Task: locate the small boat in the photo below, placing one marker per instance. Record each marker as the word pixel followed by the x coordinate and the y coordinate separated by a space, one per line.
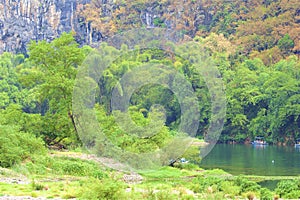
pixel 259 140
pixel 297 144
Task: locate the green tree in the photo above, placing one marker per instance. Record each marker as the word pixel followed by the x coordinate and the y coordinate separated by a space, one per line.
pixel 10 88
pixel 16 146
pixel 53 71
pixel 286 43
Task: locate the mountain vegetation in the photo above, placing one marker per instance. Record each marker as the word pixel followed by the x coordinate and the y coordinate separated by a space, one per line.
pixel 37 93
pixel 254 44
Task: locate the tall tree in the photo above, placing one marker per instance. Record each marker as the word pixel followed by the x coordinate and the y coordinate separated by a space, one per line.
pixel 54 70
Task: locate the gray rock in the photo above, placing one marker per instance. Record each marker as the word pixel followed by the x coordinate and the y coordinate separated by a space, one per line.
pixel 25 20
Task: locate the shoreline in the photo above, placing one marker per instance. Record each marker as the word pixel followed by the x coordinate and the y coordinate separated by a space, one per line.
pixel 249 143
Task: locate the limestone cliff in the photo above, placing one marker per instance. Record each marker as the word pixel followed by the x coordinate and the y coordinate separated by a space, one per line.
pixel 25 20
pixel 91 20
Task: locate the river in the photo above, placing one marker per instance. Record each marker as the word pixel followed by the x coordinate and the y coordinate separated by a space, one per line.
pixel 254 160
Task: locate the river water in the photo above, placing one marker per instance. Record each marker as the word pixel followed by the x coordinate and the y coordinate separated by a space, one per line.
pixel 254 160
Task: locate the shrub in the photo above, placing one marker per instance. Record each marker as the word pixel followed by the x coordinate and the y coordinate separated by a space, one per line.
pixel 209 182
pixel 246 185
pixel 65 166
pixel 229 188
pixel 286 43
pixel 215 172
pixel 37 186
pixel 288 189
pixel 16 146
pixel 295 194
pixel 104 189
pixel 187 166
pixel 266 194
pixel 158 22
pixel 163 195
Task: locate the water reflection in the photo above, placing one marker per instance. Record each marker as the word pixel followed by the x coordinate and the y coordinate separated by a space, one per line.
pixel 260 146
pixel 297 149
pixel 254 159
pixel 270 184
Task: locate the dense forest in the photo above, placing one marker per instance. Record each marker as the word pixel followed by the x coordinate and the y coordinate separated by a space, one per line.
pixel 254 44
pixel 37 91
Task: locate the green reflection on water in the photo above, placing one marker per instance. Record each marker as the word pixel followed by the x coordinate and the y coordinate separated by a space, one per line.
pixel 254 160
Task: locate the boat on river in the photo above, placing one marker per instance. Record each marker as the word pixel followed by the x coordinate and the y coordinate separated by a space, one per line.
pixel 259 140
pixel 297 144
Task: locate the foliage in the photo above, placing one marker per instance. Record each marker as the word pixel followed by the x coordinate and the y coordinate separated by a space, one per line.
pixel 44 165
pixel 286 43
pixel 130 139
pixel 9 85
pixel 262 88
pixel 208 184
pixel 266 194
pixel 288 189
pixel 262 100
pixel 104 189
pixel 254 26
pixel 246 185
pixel 17 146
pixel 50 78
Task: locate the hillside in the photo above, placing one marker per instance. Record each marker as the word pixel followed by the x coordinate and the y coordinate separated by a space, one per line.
pixel 254 44
pixel 265 29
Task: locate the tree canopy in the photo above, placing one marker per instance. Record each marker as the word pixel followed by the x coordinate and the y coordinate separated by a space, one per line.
pixel 37 93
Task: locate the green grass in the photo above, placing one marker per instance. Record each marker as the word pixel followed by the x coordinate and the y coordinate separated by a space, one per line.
pixel 165 172
pixel 66 177
pixel 52 177
pixel 64 189
pixel 47 165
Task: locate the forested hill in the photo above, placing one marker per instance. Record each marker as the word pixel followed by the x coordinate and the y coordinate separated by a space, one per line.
pixel 260 28
pixel 255 45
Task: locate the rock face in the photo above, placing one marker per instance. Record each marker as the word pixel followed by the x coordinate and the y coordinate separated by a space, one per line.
pixel 25 20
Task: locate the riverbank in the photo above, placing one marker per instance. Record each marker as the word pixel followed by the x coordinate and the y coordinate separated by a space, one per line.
pixel 69 175
pixel 288 142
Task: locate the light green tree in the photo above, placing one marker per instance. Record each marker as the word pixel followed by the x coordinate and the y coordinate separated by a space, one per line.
pixel 52 75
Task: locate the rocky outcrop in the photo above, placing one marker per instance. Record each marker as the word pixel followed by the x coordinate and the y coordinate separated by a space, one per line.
pixel 25 20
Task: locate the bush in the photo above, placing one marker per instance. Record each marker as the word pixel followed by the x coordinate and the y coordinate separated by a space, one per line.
pixel 164 194
pixel 65 166
pixel 246 185
pixel 286 43
pixel 203 183
pixel 266 194
pixel 37 186
pixel 229 188
pixel 16 146
pixel 295 194
pixel 288 189
pixel 159 22
pixel 187 166
pixel 104 189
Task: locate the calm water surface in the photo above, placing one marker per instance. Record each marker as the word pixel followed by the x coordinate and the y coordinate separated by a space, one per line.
pixel 254 160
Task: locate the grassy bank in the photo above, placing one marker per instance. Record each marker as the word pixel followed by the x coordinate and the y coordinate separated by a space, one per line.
pixel 76 175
